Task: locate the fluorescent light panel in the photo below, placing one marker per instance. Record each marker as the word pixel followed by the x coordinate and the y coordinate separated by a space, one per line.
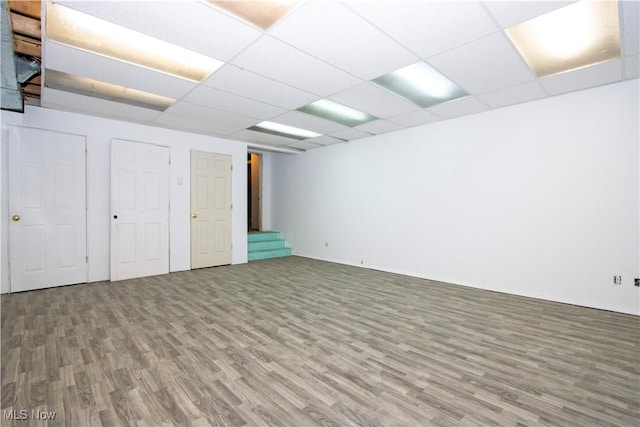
pixel 575 36
pixel 262 14
pixel 110 92
pixel 421 84
pixel 283 130
pixel 82 31
pixel 337 112
pixel 262 147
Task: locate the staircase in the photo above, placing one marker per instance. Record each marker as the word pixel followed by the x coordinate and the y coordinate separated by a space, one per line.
pixel 266 244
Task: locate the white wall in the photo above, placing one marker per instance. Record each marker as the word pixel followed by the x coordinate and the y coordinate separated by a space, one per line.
pixel 99 133
pixel 538 199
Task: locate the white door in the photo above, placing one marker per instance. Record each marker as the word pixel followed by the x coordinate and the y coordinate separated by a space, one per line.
pixel 210 209
pixel 47 205
pixel 139 210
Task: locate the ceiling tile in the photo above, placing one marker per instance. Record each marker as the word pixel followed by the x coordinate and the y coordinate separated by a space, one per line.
pixel 309 122
pixel 325 49
pixel 167 20
pixel 607 72
pixel 351 134
pixel 337 35
pixel 262 138
pixel 416 118
pixel 374 100
pixel 379 126
pixel 484 65
pixel 193 125
pixel 305 145
pixel 514 95
pixel 267 57
pixel 53 98
pixel 241 82
pixel 459 107
pixel 631 67
pixel 630 27
pixel 444 24
pixel 224 101
pixel 326 140
pixel 79 62
pixel 509 13
pixel 198 112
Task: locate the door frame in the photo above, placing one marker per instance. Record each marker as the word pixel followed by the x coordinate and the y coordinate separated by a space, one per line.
pixel 12 129
pixel 259 189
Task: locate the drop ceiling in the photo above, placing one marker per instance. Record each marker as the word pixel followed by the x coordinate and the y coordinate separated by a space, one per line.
pixel 324 49
pixel 26 33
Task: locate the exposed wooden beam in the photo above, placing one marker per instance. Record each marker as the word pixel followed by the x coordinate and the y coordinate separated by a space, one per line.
pixel 27 45
pixel 25 25
pixel 26 7
pixel 31 89
pixel 36 80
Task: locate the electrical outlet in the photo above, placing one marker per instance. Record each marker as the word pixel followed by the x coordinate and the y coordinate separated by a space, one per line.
pixel 617 280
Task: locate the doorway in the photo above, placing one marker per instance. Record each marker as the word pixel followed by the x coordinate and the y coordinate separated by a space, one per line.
pixel 254 192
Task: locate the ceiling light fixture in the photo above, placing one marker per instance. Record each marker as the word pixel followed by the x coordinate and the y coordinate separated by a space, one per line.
pixel 421 84
pixel 337 112
pixel 283 130
pixel 575 36
pixel 262 147
pixel 83 86
pixel 262 14
pixel 83 31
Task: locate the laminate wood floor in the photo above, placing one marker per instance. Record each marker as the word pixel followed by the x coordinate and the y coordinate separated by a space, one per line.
pixel 300 342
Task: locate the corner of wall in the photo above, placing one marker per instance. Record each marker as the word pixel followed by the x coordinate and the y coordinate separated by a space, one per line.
pixel 4 210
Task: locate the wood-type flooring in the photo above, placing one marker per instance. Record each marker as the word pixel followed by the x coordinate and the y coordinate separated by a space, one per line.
pixel 300 342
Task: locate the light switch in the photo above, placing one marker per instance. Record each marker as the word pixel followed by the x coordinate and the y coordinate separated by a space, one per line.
pixel 179 180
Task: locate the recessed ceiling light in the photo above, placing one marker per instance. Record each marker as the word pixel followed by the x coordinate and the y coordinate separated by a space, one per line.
pixel 262 14
pixel 83 86
pixel 337 112
pixel 283 130
pixel 575 36
pixel 79 30
pixel 421 84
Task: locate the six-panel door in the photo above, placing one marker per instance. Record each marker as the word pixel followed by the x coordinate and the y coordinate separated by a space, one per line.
pixel 47 206
pixel 139 210
pixel 210 209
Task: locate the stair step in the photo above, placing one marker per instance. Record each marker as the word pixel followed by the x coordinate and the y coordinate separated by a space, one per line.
pixel 266 244
pixel 270 253
pixel 259 236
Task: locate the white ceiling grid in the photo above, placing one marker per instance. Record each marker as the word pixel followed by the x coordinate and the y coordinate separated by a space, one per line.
pixel 326 49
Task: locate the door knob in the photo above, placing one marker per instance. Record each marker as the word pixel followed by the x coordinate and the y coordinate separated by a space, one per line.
pixel 194 215
pixel 16 217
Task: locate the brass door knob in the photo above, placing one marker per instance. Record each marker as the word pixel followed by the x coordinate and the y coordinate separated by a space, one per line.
pixel 194 215
pixel 16 217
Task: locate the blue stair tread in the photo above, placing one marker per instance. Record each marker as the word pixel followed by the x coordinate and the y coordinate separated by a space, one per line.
pixel 269 253
pixel 266 244
pixel 271 250
pixel 260 236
